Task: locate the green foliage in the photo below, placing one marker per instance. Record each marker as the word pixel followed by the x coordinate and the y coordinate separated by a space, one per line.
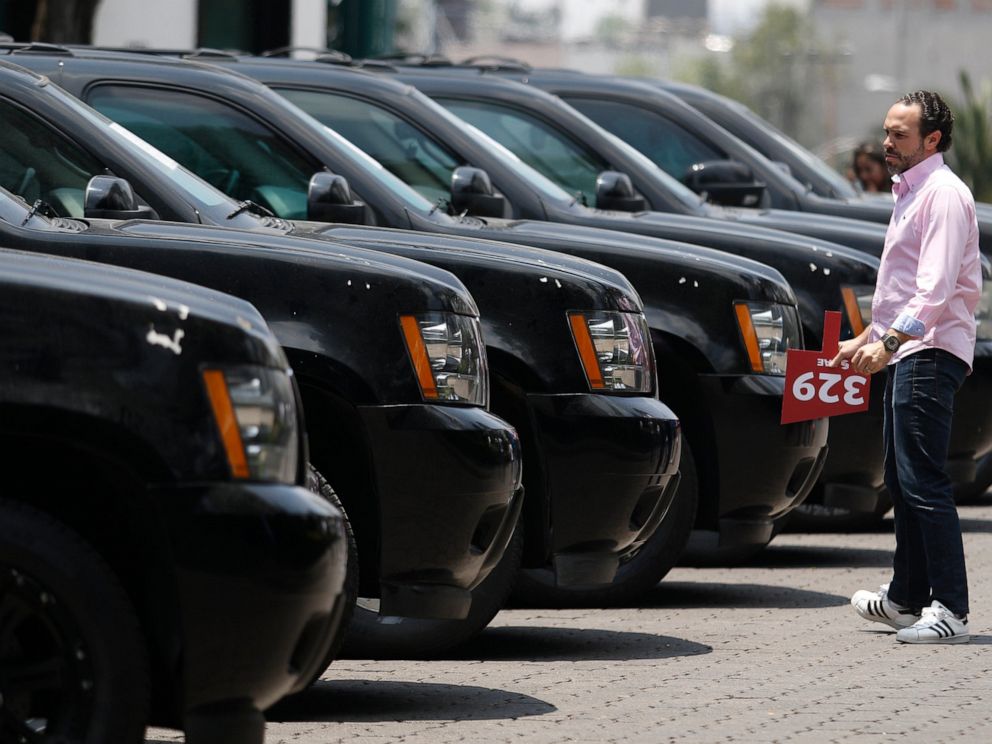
pixel 635 66
pixel 611 30
pixel 971 149
pixel 772 69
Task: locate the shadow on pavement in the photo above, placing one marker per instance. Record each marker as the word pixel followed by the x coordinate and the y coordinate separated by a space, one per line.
pixel 377 700
pixel 511 643
pixel 973 525
pixel 818 556
pixel 702 594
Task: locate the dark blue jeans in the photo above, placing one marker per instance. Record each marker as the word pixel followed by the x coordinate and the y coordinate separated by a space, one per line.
pixel 929 558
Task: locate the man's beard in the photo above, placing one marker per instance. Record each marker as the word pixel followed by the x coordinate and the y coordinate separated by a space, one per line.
pixel 905 161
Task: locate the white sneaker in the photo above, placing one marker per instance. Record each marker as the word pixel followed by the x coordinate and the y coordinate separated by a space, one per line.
pixel 877 607
pixel 937 624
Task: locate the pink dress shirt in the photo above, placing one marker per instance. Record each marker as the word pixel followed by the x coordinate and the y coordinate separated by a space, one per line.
pixel 930 278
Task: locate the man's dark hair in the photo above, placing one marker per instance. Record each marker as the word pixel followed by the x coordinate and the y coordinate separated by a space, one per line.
pixel 935 115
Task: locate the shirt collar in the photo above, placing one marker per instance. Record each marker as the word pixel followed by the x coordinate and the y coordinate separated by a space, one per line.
pixel 907 181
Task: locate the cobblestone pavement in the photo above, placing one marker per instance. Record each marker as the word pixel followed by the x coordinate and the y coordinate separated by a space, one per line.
pixel 770 652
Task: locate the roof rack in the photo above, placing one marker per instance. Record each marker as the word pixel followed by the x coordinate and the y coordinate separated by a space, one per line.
pixel 285 51
pixel 416 58
pixel 209 53
pixel 494 62
pixel 37 47
pixel 375 65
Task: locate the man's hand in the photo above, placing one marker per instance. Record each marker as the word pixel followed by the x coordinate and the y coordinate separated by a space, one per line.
pixel 846 350
pixel 870 358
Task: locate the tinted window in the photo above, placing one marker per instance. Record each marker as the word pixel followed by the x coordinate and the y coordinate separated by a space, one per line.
pixel 402 148
pixel 542 147
pixel 669 146
pixel 37 162
pixel 222 145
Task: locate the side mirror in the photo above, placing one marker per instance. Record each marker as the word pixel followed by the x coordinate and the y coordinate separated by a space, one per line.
pixel 615 191
pixel 472 192
pixel 725 182
pixel 112 198
pixel 329 199
pixel 783 166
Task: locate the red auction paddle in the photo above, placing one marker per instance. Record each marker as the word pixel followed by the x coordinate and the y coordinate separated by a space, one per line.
pixel 813 389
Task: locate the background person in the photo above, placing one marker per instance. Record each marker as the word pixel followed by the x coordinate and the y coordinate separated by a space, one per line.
pixel 870 171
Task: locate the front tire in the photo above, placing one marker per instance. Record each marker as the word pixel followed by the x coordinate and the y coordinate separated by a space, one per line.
pixel 319 485
pixel 640 571
pixel 73 661
pixel 372 636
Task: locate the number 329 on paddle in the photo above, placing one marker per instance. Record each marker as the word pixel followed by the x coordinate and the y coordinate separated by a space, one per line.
pixel 815 390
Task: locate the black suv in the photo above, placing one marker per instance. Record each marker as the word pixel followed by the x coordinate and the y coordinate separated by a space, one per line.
pixel 154 525
pixel 568 147
pixel 423 145
pixel 374 425
pixel 535 305
pixel 709 379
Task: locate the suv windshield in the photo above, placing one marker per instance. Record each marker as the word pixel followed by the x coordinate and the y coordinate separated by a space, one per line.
pixel 416 157
pixel 568 163
pixel 841 186
pixel 206 199
pixel 230 149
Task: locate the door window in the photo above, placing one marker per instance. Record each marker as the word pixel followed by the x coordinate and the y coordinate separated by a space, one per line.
pixel 403 149
pixel 225 147
pixel 537 143
pixel 38 162
pixel 668 145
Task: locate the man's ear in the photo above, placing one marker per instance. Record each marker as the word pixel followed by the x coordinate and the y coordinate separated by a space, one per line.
pixel 933 139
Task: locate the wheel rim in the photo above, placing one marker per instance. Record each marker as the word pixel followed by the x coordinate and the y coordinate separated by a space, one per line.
pixel 46 677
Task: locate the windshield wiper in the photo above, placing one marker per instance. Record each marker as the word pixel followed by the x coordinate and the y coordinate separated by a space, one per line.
pixel 249 206
pixel 441 203
pixel 580 196
pixel 41 207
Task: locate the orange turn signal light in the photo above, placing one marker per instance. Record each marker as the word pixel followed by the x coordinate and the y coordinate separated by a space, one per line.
pixel 750 337
pixel 418 355
pixel 853 311
pixel 227 421
pixel 587 351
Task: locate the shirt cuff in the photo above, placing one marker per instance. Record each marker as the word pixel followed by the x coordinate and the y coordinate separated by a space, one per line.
pixel 909 325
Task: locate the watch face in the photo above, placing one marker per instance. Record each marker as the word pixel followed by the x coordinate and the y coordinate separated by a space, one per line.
pixel 891 343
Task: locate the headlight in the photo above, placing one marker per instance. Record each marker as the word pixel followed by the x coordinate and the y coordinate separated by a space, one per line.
pixel 255 410
pixel 857 306
pixel 615 350
pixel 768 330
pixel 448 357
pixel 983 313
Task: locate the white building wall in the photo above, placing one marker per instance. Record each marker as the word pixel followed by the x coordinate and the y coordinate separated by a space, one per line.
pixel 146 23
pixel 153 23
pixel 896 46
pixel 308 25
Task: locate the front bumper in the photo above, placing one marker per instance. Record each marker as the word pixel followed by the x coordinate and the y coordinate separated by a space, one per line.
pixel 764 469
pixel 259 572
pixel 852 477
pixel 971 429
pixel 605 465
pixel 448 480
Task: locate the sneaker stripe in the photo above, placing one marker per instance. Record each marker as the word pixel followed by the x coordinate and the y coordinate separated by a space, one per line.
pixel 944 629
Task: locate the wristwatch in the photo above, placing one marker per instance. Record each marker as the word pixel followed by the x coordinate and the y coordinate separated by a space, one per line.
pixel 891 343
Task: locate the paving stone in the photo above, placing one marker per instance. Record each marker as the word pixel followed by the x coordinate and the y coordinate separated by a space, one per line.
pixel 769 652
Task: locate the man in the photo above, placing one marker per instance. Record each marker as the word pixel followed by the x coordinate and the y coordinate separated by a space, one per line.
pixel 923 334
